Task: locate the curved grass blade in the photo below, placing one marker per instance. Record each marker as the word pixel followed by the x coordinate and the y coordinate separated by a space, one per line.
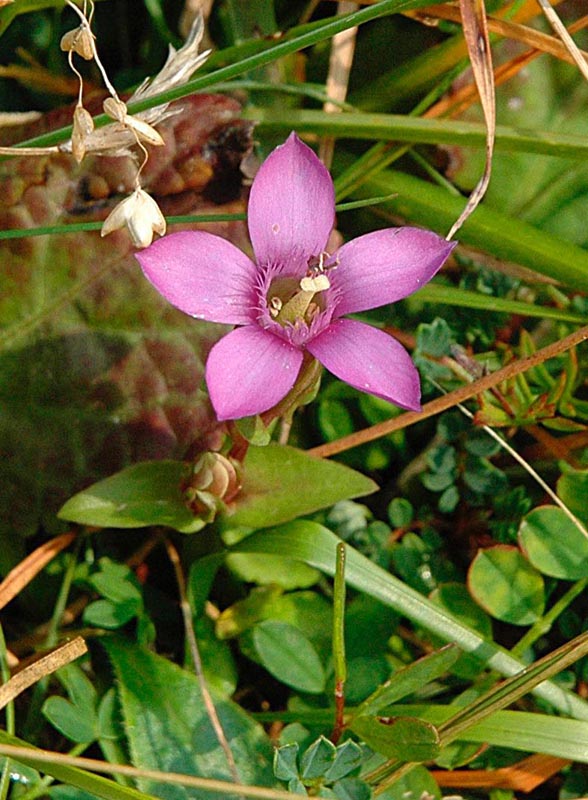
pixel 316 545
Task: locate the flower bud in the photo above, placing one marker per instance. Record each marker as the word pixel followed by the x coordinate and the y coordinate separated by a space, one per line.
pixel 213 483
pixel 140 214
pixel 80 41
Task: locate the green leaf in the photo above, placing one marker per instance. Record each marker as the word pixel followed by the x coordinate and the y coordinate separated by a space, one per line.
pixel 284 571
pixel 295 786
pixel 116 582
pixel 200 579
pixel 96 785
pixel 411 128
pixel 109 615
pixel 287 653
pixel 168 729
pixel 316 545
pixel 503 236
pixel 70 720
pixel 243 614
pixel 79 687
pixel 506 585
pixel 108 727
pixel 400 512
pixel 455 598
pixel 286 761
pixel 434 338
pixel 253 429
pixel 404 738
pixel 281 483
pixel 317 759
pixel 143 494
pixel 334 418
pixel 553 543
pixel 483 477
pixel 572 488
pixel 519 730
pixel 352 789
pixel 410 679
pixel 417 783
pixel 348 757
pixel 218 663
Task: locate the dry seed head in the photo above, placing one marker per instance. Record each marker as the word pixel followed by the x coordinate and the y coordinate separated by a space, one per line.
pixel 83 126
pixel 117 110
pixel 140 214
pixel 80 41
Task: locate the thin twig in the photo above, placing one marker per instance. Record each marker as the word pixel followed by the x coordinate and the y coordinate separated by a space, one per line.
pixel 339 643
pixel 196 659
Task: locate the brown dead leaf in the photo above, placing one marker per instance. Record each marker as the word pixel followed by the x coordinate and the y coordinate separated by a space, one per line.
pixel 40 668
pixel 475 29
pixel 23 573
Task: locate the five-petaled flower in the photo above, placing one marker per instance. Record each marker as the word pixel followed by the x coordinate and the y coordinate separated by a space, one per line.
pixel 293 298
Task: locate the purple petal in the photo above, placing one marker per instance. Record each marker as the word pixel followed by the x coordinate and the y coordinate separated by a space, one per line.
pixel 291 206
pixel 249 371
pixel 385 266
pixel 203 275
pixel 370 360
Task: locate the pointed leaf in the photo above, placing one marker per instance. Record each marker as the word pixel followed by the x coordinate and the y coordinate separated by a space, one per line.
pixel 348 757
pixel 281 483
pixel 143 494
pixel 168 729
pixel 410 679
pixel 404 738
pixel 352 789
pixel 317 759
pixel 316 545
pixel 285 761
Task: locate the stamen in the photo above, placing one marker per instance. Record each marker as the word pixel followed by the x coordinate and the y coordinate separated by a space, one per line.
pixel 317 266
pixel 275 306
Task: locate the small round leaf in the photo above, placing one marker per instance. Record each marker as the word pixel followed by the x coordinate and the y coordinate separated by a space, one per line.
pixel 554 544
pixel 286 652
pixel 504 583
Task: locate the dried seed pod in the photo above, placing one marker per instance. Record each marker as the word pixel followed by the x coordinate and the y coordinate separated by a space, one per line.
pixel 80 41
pixel 140 214
pixel 83 126
pixel 146 133
pixel 115 108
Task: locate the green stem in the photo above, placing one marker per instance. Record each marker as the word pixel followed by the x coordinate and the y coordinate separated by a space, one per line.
pixel 10 721
pixel 543 625
pixel 339 643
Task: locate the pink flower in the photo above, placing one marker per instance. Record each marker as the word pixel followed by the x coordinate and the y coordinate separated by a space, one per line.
pixel 293 298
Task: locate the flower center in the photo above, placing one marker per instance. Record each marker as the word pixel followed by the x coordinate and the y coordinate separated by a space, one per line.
pixel 292 302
